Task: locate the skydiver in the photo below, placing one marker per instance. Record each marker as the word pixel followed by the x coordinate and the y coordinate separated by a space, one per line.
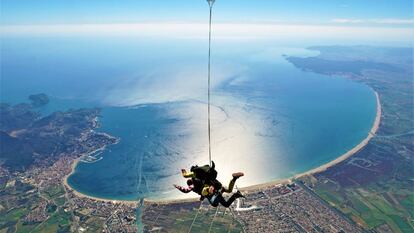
pixel 197 186
pixel 203 181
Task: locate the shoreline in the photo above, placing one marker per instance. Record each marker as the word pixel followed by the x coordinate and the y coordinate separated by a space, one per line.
pixel 73 165
pixel 354 150
pixel 319 169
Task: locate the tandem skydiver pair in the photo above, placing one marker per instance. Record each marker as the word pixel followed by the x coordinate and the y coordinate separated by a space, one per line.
pixel 203 181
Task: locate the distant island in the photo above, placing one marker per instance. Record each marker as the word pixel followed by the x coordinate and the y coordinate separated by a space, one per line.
pixel 39 100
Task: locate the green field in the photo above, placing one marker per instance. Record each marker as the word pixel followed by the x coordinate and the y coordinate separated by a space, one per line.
pixel 206 219
pixel 53 191
pixel 20 199
pixel 58 222
pixel 371 207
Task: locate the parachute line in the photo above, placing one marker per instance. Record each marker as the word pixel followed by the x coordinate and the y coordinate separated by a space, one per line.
pixel 210 3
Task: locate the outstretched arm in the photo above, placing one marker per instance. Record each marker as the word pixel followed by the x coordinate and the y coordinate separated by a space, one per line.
pixel 183 189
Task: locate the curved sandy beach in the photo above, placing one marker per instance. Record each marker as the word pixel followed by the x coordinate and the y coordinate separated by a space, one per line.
pixel 354 150
pixel 338 160
pixel 81 195
pixel 321 168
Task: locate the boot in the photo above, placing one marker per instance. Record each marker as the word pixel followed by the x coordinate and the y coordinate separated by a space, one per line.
pixel 237 175
pixel 238 194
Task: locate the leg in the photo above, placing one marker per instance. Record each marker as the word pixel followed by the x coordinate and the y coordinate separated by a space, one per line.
pixel 230 188
pixel 229 201
pixel 232 182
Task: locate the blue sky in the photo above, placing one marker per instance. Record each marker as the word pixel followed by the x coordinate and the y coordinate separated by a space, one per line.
pixel 28 12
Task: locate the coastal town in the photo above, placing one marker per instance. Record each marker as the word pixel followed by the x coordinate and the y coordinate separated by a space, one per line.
pixel 288 207
pixel 272 208
pixel 58 206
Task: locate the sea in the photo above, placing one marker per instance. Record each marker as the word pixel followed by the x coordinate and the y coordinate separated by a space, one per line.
pixel 270 119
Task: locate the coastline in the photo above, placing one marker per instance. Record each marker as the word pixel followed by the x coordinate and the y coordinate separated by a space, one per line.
pixel 319 169
pixel 73 165
pixel 354 150
pixel 334 162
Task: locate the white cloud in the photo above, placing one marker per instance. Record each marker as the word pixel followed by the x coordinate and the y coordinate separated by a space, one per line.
pixel 394 21
pixel 347 21
pixel 374 21
pixel 342 32
pixel 195 30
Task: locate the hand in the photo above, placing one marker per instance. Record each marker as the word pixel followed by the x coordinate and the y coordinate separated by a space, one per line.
pixel 211 189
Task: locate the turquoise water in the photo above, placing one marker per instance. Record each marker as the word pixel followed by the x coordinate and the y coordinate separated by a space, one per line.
pixel 270 119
